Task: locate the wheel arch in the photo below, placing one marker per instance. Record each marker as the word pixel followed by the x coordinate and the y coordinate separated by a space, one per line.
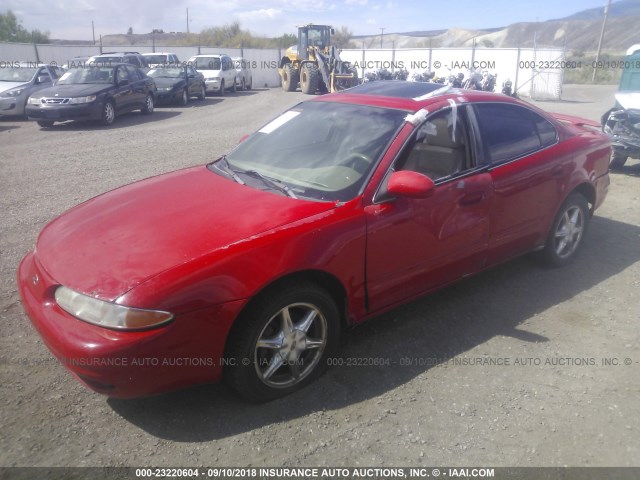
pixel 284 61
pixel 588 191
pixel 328 282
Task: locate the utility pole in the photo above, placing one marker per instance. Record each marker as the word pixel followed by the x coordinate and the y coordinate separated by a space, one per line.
pixel 381 35
pixel 187 20
pixel 93 31
pixel 604 25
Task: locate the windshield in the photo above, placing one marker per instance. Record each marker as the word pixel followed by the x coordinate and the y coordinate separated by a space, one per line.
pixel 319 150
pixel 206 63
pixel 99 75
pixel 17 74
pixel 166 72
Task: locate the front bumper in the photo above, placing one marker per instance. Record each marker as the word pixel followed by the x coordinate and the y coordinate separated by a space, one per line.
pixel 164 97
pixel 187 351
pixel 61 113
pixel 212 85
pixel 12 105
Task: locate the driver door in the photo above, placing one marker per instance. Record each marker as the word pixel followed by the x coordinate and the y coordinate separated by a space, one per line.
pixel 417 245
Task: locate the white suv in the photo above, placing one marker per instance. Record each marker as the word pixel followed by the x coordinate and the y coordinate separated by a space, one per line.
pixel 218 71
pixel 161 58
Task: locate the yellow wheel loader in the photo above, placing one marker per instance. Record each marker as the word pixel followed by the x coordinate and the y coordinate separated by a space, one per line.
pixel 315 64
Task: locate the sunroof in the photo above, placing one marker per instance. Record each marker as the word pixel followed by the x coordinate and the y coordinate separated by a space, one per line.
pixel 398 88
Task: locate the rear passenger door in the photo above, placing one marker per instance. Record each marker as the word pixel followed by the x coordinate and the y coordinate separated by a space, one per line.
pixel 415 245
pixel 139 92
pixel 527 170
pixel 123 89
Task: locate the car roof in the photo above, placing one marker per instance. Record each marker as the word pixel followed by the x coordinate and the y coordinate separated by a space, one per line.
pixel 210 55
pixel 410 96
pixel 157 53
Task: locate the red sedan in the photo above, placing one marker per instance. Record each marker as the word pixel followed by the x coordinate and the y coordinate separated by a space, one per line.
pixel 339 209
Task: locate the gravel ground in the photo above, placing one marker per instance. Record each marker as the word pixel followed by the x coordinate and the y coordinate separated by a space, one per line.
pixel 553 401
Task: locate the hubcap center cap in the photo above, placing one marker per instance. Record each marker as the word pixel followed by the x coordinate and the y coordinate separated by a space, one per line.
pixel 293 345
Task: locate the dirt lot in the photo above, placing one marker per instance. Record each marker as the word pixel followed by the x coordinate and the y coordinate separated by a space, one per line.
pixel 557 399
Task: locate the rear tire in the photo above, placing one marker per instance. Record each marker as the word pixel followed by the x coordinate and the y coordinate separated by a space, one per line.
pixel 148 105
pixel 290 77
pixel 309 78
pixel 281 342
pixel 567 231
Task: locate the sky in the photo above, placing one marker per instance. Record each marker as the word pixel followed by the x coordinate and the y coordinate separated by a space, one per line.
pixel 71 19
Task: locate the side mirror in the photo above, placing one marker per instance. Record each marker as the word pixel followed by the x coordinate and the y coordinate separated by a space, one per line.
pixel 44 79
pixel 410 184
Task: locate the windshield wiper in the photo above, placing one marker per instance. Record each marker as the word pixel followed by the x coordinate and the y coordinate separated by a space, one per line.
pixel 271 181
pixel 224 166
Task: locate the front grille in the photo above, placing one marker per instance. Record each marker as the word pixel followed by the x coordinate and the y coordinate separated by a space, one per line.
pixel 55 101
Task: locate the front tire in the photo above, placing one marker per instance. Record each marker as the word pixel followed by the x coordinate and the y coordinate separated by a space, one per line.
pixel 567 231
pixel 45 123
pixel 221 91
pixel 282 341
pixel 203 93
pixel 618 159
pixel 184 99
pixel 108 113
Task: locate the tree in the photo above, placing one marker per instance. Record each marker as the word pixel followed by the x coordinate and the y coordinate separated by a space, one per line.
pixel 11 30
pixel 342 38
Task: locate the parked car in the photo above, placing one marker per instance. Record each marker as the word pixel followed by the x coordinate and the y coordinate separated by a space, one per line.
pixel 244 78
pixel 218 70
pixel 177 83
pixel 341 208
pixel 132 58
pixel 161 58
pixel 622 122
pixel 76 62
pixel 99 92
pixel 19 80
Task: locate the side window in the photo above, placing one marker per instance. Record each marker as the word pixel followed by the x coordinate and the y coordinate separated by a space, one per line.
pixel 122 74
pixel 133 74
pixel 43 72
pixel 440 147
pixel 511 131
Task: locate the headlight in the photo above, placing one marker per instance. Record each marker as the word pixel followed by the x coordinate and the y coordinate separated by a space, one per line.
pixel 14 92
pixel 165 89
pixel 34 101
pixel 88 99
pixel 108 314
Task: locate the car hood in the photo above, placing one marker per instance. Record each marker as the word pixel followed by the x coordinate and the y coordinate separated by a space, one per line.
pixel 4 86
pixel 629 100
pixel 113 242
pixel 167 82
pixel 75 90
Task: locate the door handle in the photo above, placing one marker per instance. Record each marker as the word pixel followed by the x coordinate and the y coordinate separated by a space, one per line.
pixel 471 198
